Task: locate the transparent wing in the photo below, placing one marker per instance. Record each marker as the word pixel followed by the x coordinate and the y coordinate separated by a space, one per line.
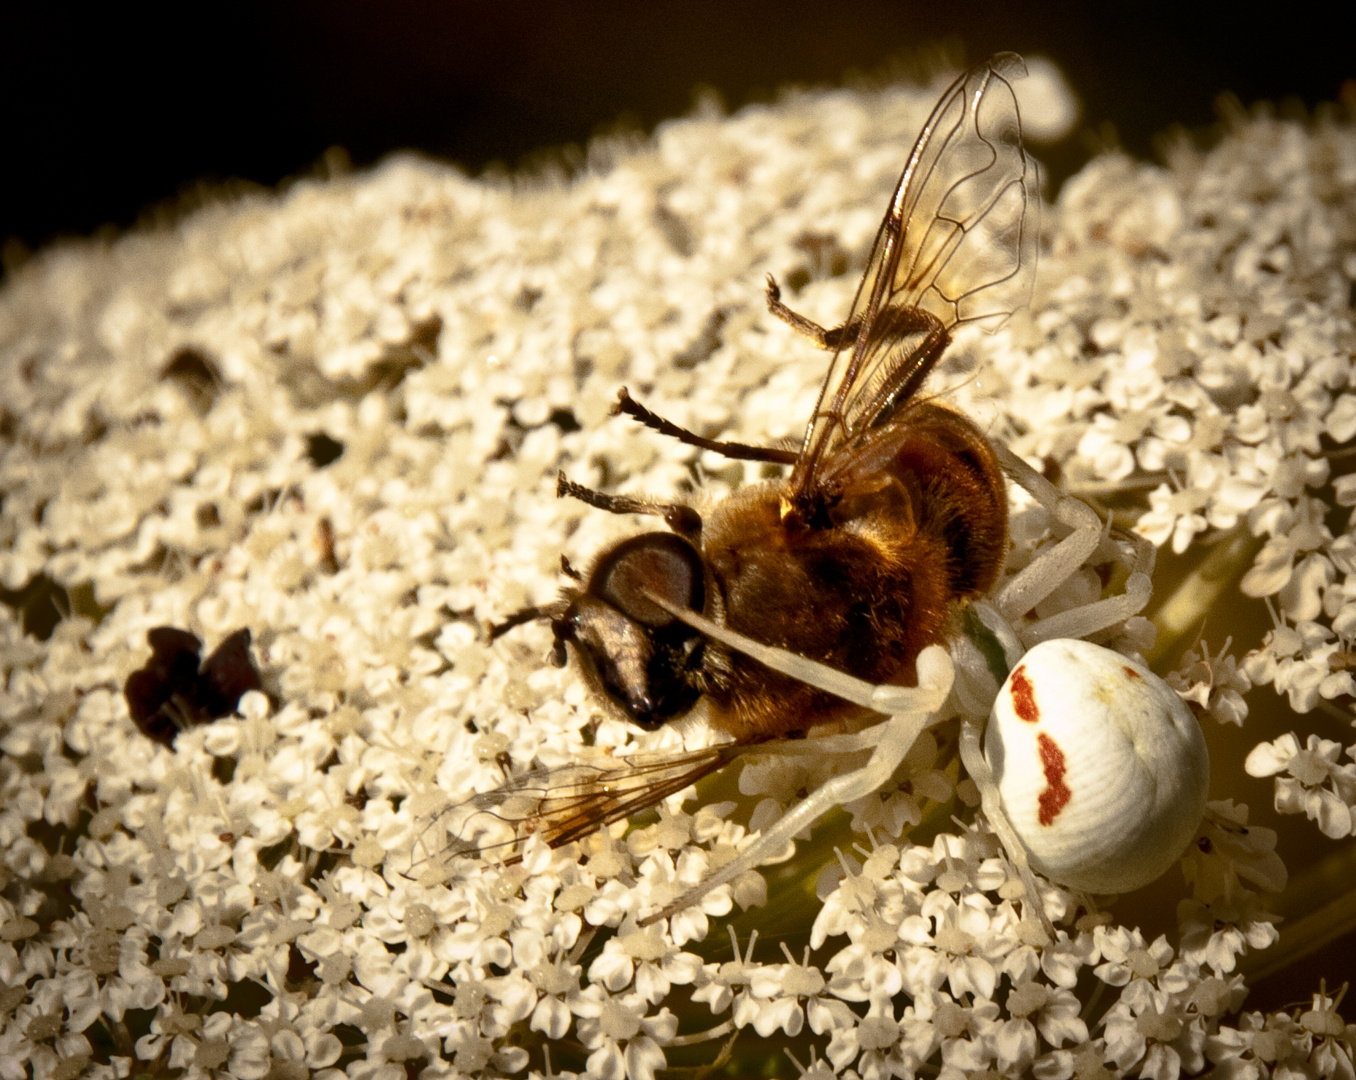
pixel 564 803
pixel 958 244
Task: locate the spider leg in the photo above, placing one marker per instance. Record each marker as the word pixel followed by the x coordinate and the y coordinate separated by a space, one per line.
pixel 972 756
pixel 1085 621
pixel 910 711
pixel 1053 498
pixel 883 698
pixel 900 732
pixel 1087 539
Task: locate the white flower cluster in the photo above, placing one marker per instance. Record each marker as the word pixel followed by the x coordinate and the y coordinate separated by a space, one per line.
pixel 1215 684
pixel 1314 784
pixel 335 417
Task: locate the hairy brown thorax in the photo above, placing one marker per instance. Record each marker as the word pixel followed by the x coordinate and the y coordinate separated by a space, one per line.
pixel 913 523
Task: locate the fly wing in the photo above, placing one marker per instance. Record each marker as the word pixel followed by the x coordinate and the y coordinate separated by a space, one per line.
pixel 568 802
pixel 957 244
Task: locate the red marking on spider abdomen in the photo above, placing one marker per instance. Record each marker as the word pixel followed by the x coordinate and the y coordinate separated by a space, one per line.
pixel 1056 793
pixel 1132 672
pixel 1024 697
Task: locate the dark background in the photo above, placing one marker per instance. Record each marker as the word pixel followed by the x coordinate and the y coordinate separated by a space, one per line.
pixel 110 111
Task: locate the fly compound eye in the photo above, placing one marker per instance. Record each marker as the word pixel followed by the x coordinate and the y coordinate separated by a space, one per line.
pixel 1101 767
pixel 659 564
pixel 640 657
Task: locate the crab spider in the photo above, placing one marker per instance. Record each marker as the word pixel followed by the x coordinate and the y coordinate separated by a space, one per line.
pixel 962 681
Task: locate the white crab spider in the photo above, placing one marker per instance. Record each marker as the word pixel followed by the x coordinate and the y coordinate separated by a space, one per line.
pixel 1132 770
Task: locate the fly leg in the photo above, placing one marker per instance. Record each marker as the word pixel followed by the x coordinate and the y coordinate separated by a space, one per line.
pixel 679 517
pixel 734 450
pixel 829 340
pixel 682 519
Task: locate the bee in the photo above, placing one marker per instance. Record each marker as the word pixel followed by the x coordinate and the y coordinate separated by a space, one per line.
pixel 849 576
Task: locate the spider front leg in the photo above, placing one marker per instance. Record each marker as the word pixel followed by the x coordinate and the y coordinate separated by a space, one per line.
pixel 910 710
pixel 1087 539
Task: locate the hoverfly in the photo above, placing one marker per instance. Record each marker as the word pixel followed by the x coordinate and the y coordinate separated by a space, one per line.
pixel 798 602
